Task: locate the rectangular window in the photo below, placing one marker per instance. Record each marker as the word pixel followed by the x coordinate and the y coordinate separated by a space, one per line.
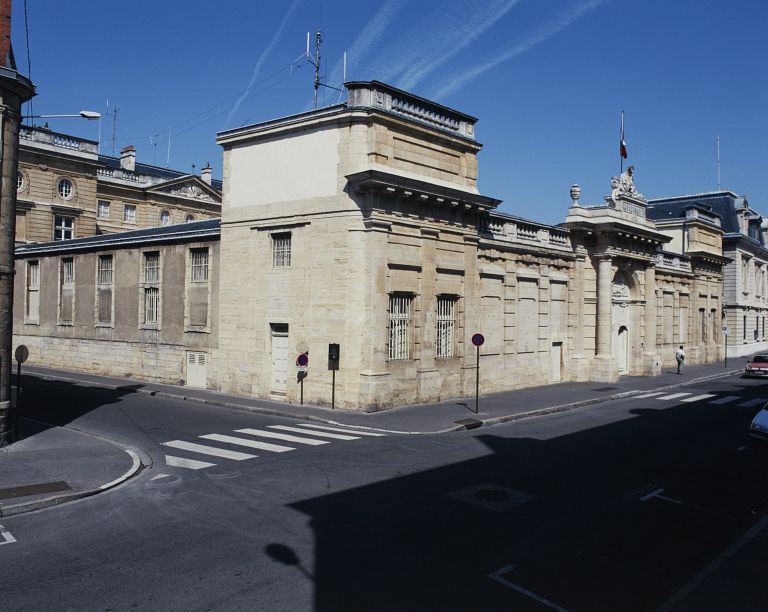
pixel 400 327
pixel 33 292
pixel 281 250
pixel 703 325
pixel 66 290
pixel 63 228
pixel 104 289
pixel 197 289
pixel 150 289
pixel 103 209
pixel 129 213
pixel 446 324
pixel 199 266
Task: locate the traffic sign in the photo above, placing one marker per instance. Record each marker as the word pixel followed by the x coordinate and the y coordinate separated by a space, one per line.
pixel 22 353
pixel 302 360
pixel 478 339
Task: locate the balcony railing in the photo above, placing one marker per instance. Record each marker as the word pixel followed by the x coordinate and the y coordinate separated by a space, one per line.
pixel 60 141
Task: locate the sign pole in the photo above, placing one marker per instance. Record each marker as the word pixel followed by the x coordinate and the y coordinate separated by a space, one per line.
pixel 333 390
pixel 477 383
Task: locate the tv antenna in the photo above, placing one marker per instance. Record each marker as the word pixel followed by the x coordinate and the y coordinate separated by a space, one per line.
pixel 315 61
pixel 113 114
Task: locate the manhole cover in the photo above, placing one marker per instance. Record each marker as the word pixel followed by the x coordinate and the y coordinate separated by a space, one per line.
pixel 492 497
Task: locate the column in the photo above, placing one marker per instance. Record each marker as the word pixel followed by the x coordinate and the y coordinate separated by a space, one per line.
pixel 604 305
pixel 650 309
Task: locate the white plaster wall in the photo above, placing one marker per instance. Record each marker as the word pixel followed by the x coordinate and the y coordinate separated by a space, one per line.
pixel 292 168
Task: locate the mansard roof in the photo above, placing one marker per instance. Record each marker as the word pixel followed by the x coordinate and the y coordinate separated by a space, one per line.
pixel 185 232
pixel 721 203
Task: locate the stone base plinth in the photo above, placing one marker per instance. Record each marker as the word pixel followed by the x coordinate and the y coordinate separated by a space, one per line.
pixel 579 368
pixel 604 368
pixel 651 364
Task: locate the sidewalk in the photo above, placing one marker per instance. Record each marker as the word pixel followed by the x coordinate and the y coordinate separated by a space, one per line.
pixel 449 415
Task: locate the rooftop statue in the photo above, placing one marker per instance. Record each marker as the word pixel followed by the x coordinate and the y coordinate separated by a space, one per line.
pixel 624 184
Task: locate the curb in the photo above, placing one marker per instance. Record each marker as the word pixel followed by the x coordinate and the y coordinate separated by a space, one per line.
pixel 57 500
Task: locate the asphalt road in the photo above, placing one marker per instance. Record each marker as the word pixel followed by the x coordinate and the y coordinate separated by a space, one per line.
pixel 611 507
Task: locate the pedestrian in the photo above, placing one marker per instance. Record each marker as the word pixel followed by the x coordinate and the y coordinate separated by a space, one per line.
pixel 680 358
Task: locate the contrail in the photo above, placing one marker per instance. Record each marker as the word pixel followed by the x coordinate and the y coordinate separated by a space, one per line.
pixel 264 55
pixel 543 33
pixel 448 41
pixel 370 36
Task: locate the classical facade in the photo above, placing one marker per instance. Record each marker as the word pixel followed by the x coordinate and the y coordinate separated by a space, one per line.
pixel 66 190
pixel 745 296
pixel 361 225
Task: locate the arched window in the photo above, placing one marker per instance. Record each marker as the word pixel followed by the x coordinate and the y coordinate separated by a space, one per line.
pixel 165 218
pixel 189 218
pixel 21 181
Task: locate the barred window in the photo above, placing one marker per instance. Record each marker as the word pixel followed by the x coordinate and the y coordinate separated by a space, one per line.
pixel 400 326
pixel 105 269
pixel 199 266
pixel 281 250
pixel 444 338
pixel 151 304
pixel 152 267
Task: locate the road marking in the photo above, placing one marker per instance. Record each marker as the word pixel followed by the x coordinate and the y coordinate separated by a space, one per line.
pixel 319 434
pixel 159 476
pixel 339 430
pixel 273 448
pixel 726 399
pixel 673 396
pixel 698 398
pixel 648 394
pixel 279 436
pixel 651 495
pixel 192 464
pixel 5 536
pixel 752 402
pixel 208 450
pixel 497 575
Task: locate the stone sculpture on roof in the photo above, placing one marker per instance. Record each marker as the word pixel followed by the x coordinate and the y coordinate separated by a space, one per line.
pixel 624 185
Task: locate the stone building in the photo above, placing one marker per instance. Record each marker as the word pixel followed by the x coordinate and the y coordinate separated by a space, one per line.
pixel 361 225
pixel 745 295
pixel 66 190
pixel 141 304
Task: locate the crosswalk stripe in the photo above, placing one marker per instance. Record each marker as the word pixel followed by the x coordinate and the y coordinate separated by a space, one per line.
pixel 726 399
pixel 338 430
pixel 752 402
pixel 182 462
pixel 266 446
pixel 208 450
pixel 279 436
pixel 319 434
pixel 698 398
pixel 649 394
pixel 673 396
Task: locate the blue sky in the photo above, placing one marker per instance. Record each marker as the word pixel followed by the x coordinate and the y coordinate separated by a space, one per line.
pixel 547 80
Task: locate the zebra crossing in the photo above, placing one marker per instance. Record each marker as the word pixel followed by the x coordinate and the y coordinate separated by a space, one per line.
pixel 691 397
pixel 281 439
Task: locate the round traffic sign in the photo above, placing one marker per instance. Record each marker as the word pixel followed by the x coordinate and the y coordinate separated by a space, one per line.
pixel 22 353
pixel 302 360
pixel 478 339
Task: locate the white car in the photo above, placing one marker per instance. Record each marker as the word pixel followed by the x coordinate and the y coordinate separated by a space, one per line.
pixel 759 427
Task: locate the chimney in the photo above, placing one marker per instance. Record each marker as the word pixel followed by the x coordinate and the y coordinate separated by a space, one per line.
pixel 128 158
pixel 205 173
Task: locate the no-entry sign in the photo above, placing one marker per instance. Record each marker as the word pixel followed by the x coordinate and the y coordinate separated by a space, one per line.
pixel 478 339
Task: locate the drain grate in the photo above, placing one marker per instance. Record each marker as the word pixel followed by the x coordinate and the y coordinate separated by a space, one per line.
pixel 35 489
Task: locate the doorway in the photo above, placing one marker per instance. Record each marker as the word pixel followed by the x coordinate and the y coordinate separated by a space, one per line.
pixel 556 362
pixel 622 350
pixel 279 333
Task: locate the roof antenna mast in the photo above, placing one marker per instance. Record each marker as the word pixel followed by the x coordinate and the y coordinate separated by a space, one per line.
pixel 315 61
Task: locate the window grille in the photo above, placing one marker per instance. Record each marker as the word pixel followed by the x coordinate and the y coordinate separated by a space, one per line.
pixel 281 250
pixel 199 272
pixel 33 290
pixel 399 327
pixel 151 304
pixel 445 326
pixel 151 267
pixel 67 272
pixel 67 290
